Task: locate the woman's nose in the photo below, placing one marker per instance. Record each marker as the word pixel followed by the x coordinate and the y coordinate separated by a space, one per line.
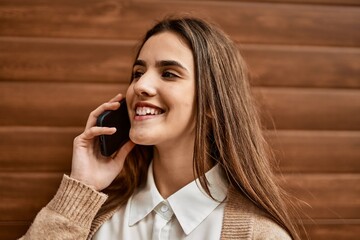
pixel 145 85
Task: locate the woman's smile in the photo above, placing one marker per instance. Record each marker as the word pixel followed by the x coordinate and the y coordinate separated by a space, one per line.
pixel 144 111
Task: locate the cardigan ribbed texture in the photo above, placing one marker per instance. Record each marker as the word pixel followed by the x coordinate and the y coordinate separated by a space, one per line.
pixel 238 221
pixel 71 215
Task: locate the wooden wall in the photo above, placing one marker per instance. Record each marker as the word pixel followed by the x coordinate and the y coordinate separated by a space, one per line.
pixel 59 59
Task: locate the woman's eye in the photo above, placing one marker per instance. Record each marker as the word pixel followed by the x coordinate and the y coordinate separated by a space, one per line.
pixel 137 75
pixel 168 75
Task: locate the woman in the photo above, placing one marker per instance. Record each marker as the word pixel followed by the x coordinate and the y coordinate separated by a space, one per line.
pixel 196 166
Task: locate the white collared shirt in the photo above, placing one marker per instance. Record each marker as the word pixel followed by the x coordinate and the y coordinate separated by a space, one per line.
pixel 188 214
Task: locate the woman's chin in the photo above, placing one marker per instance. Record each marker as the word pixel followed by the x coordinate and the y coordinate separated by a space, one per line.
pixel 141 139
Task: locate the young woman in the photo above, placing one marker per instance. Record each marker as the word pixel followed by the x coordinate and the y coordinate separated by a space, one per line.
pixel 196 166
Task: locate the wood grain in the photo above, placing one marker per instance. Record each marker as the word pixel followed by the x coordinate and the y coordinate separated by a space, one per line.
pixel 296 151
pixel 245 22
pixel 326 196
pixel 339 230
pixel 24 194
pixel 325 2
pixel 303 66
pixel 310 109
pixel 316 151
pixel 13 230
pixel 39 149
pixel 33 59
pixel 52 104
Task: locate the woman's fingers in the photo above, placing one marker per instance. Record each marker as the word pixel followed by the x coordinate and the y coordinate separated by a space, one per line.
pixel 92 132
pixel 113 104
pixel 96 113
pixel 117 98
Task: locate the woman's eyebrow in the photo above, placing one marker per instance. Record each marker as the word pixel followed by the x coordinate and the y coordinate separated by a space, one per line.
pixel 162 63
pixel 167 63
pixel 139 62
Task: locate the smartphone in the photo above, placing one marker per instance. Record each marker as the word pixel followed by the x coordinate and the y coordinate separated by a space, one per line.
pixel 119 119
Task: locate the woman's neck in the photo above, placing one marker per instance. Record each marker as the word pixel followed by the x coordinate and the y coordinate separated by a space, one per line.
pixel 173 167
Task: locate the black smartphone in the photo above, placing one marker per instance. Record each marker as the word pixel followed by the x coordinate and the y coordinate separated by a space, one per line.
pixel 119 119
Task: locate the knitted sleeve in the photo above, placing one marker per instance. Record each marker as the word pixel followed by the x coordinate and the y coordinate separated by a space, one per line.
pixel 69 214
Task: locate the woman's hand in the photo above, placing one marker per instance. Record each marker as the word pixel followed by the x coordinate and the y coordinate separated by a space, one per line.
pixel 88 165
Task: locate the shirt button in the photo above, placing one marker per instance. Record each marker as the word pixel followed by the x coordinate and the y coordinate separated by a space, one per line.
pixel 164 208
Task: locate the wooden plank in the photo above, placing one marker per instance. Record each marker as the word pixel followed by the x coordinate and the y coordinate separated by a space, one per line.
pixel 340 230
pixel 24 194
pixel 325 2
pixel 316 151
pixel 302 66
pixel 13 230
pixel 326 196
pixel 52 104
pixel 245 22
pixel 309 109
pixel 331 196
pixel 296 151
pixel 33 59
pixel 29 59
pixel 58 104
pixel 39 149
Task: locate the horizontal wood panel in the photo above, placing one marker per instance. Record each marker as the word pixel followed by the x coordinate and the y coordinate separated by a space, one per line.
pixel 57 104
pixel 316 151
pixel 326 196
pixel 311 109
pixel 245 22
pixel 303 66
pixel 32 59
pixel 325 2
pixel 296 151
pixel 36 149
pixel 335 230
pixel 13 230
pixel 24 194
pixel 52 104
pixel 330 195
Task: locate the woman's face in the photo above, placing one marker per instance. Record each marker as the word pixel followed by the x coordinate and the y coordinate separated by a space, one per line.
pixel 161 97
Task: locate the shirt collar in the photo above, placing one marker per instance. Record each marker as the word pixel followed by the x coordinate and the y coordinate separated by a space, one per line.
pixel 191 205
pixel 144 200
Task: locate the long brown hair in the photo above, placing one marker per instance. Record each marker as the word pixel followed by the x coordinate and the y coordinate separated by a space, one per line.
pixel 228 129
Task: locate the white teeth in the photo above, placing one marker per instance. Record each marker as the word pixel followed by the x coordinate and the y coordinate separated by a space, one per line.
pixel 142 111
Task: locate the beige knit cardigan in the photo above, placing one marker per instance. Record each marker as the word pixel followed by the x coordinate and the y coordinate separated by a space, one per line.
pixel 71 215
